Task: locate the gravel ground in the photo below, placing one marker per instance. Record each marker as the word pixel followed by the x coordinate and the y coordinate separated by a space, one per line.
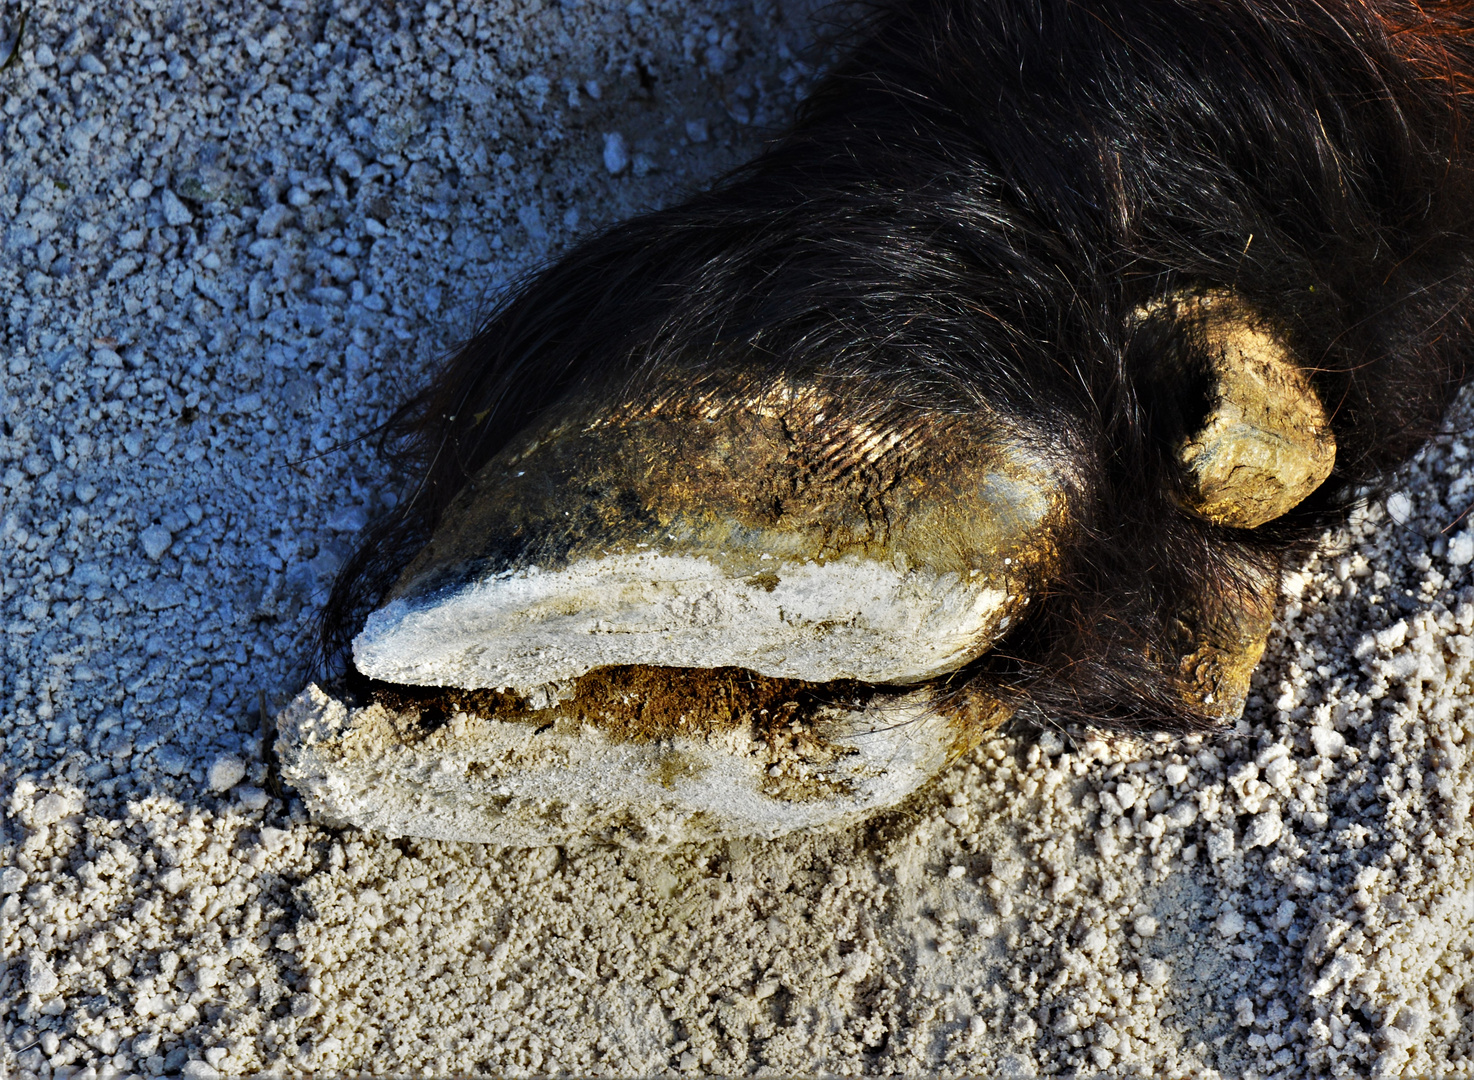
pixel 233 237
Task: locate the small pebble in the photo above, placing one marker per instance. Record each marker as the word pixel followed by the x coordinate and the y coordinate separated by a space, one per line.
pixel 156 541
pixel 1230 923
pixel 252 799
pixel 1461 549
pixel 175 212
pixel 225 772
pixel 172 881
pixel 272 219
pixel 1264 829
pixel 616 155
pixel 40 978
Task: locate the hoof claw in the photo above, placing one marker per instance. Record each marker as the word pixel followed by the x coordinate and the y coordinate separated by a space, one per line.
pixel 1266 442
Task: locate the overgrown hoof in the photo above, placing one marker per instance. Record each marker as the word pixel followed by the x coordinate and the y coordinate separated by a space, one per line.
pixel 1002 384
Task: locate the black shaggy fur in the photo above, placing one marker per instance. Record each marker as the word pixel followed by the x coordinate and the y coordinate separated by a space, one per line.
pixel 970 207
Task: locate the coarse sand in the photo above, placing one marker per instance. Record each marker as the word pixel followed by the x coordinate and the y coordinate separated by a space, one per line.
pixel 234 236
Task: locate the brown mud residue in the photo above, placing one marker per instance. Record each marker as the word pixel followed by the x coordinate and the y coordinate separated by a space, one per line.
pixel 636 703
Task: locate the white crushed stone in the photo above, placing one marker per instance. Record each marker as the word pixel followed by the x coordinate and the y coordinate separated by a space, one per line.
pixel 225 772
pixel 357 186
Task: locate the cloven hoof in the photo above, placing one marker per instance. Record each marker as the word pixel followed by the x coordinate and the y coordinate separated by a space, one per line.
pixel 999 387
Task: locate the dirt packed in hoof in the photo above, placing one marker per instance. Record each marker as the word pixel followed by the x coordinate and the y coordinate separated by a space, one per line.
pixel 637 703
pixel 234 240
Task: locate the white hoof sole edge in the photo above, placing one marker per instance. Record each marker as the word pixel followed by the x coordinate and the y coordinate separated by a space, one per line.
pixel 529 782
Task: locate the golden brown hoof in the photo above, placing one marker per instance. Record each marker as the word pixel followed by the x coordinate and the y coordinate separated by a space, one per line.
pixel 774 529
pixel 1265 443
